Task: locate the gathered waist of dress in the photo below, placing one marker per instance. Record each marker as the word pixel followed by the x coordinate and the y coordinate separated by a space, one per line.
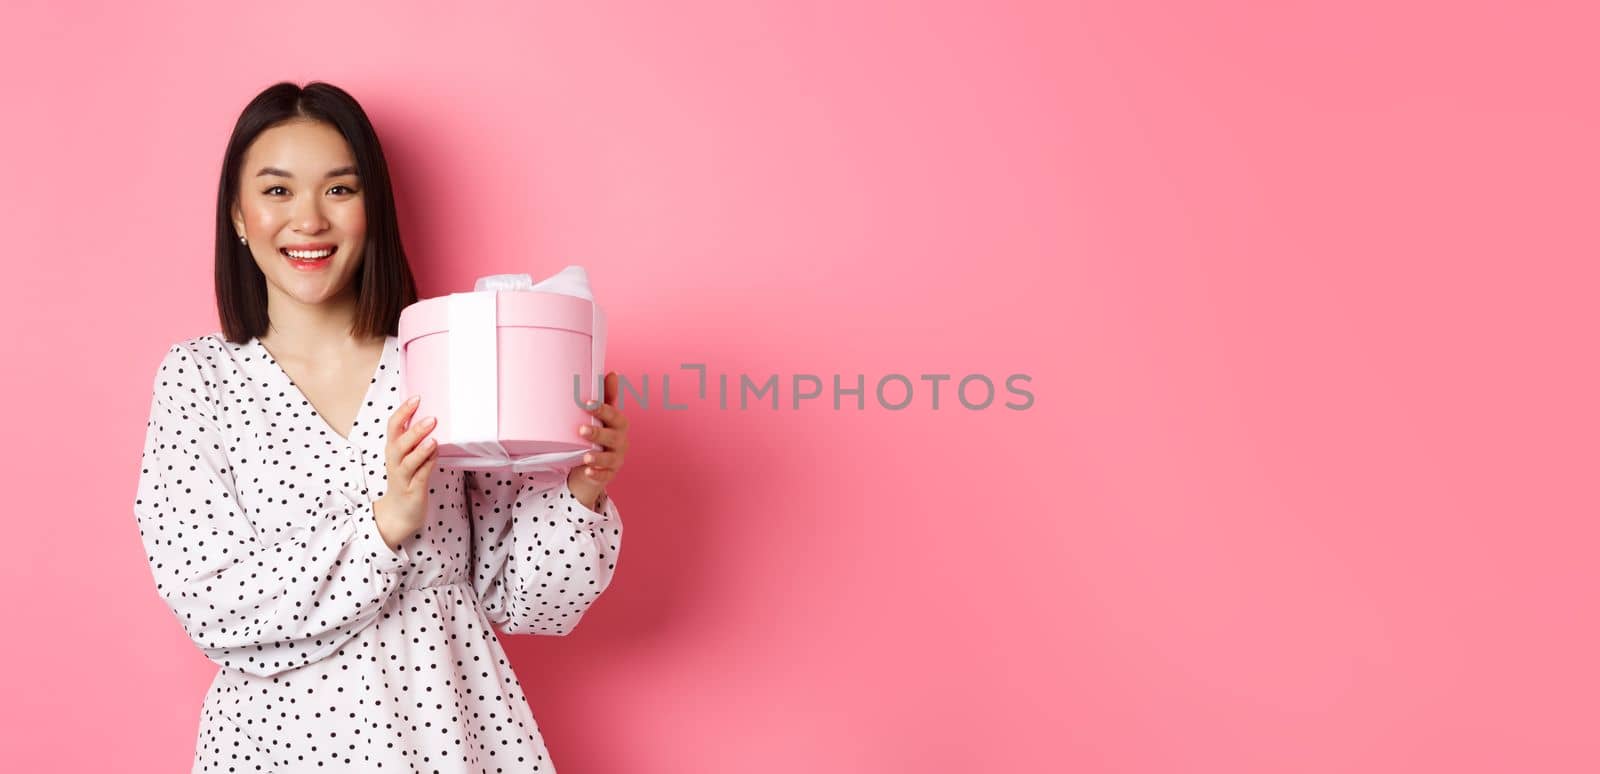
pixel 443 582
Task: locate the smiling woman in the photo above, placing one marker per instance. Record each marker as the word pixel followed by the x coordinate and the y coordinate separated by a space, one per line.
pixel 304 174
pixel 329 205
pixel 294 516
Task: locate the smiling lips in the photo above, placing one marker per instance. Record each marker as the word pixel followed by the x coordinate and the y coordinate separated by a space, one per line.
pixel 309 256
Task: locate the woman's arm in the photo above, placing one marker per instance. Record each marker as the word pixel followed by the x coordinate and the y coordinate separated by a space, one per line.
pixel 539 557
pixel 259 607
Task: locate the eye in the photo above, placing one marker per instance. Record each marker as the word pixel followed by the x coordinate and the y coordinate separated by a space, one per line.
pixel 269 191
pixel 345 187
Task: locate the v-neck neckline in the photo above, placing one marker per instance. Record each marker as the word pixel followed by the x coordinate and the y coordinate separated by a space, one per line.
pixel 366 397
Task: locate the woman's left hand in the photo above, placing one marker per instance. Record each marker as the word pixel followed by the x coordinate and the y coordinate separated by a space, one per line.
pixel 588 481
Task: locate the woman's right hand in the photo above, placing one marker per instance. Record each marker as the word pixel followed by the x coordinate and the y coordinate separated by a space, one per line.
pixel 410 461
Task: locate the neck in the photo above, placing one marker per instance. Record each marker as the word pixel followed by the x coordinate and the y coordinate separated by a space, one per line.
pixel 311 330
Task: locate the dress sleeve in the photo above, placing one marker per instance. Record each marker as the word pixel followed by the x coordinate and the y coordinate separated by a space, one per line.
pixel 539 557
pixel 258 606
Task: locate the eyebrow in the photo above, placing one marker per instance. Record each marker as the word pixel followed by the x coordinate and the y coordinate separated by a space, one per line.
pixel 281 173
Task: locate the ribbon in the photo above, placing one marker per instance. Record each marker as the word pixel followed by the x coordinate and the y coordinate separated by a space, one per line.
pixel 474 380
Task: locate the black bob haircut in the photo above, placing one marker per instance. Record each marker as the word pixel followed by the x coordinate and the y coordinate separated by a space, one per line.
pixel 383 283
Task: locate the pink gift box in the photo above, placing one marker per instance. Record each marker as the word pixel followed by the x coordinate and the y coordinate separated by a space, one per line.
pixel 497 368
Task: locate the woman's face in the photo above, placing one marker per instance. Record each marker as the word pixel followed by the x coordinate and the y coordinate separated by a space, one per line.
pixel 298 190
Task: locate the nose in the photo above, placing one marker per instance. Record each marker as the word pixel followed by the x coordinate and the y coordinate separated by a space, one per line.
pixel 307 215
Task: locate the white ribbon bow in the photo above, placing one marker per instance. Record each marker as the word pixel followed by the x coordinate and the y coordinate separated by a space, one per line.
pixel 474 382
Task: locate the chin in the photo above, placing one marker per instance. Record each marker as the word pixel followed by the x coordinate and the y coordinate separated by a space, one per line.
pixel 312 291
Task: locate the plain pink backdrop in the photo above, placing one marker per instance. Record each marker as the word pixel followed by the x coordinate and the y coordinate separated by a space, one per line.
pixel 1306 292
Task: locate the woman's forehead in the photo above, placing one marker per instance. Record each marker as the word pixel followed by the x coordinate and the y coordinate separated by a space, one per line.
pixel 300 149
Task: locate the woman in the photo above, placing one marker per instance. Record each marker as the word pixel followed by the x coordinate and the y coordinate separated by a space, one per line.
pixel 292 509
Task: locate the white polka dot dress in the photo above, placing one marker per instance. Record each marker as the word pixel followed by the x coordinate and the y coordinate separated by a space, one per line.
pixel 338 653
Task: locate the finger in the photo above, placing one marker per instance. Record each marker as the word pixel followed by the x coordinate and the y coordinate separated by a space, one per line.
pixel 608 460
pixel 397 420
pixel 609 438
pixel 416 433
pixel 408 464
pixel 598 475
pixel 407 443
pixel 611 388
pixel 397 423
pixel 425 469
pixel 610 415
pixel 413 462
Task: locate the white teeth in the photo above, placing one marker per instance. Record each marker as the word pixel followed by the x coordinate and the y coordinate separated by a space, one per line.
pixel 303 255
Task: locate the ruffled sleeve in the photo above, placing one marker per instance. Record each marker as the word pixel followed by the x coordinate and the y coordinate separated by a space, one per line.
pixel 540 558
pixel 258 606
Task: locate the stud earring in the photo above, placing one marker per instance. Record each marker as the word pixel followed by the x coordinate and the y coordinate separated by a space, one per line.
pixel 242 239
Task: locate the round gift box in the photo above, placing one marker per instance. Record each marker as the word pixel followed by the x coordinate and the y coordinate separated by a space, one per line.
pixel 542 341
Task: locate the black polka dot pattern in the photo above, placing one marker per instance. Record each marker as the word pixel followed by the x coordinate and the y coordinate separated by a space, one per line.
pixel 338 653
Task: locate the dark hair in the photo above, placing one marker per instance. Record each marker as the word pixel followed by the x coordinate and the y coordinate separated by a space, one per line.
pixel 383 284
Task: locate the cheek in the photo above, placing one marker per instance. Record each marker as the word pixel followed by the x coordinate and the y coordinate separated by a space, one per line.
pixel 263 253
pixel 262 217
pixel 353 219
pixel 352 225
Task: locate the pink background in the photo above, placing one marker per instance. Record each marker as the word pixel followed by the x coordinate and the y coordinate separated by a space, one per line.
pixel 1306 291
